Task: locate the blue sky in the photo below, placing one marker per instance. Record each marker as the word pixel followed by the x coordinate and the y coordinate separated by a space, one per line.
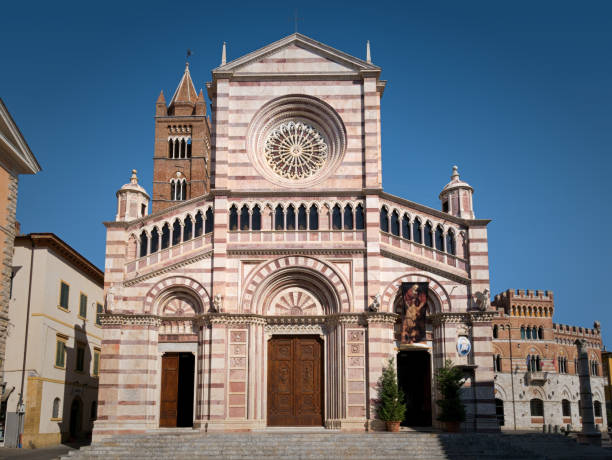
pixel 517 94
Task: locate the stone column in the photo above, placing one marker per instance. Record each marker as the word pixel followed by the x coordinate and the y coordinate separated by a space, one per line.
pixel 589 433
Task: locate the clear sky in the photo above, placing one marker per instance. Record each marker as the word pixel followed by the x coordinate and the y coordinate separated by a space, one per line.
pixel 517 93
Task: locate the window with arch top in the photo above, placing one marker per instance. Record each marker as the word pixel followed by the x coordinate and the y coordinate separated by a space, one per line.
pixel 176 232
pixel 210 221
pixel 359 217
pixel 244 217
pixel 450 243
pixel 290 217
pixel 416 231
pixel 428 235
pixel 302 224
pixel 256 218
pixel 197 231
pixel 395 224
pixel 56 408
pixel 405 227
pixel 279 218
pixel 313 218
pixel 439 238
pixel 336 218
pixel 233 218
pixel 144 243
pixel 188 229
pixel 348 217
pixel 384 220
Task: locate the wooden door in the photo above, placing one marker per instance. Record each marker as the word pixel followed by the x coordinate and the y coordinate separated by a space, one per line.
pixel 295 381
pixel 169 390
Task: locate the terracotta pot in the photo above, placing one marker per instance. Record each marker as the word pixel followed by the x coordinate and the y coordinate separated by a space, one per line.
pixel 452 427
pixel 393 427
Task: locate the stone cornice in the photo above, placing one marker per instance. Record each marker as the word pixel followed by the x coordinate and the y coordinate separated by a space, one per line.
pixel 110 320
pixel 469 317
pixel 406 259
pixel 138 279
pixel 297 251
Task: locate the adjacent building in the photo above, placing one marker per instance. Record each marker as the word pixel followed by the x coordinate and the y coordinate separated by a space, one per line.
pixel 536 364
pixel 54 342
pixel 15 158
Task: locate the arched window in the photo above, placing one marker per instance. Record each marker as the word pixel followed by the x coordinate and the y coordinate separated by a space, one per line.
pixel 497 363
pixel 536 407
pixel 523 332
pixel 244 217
pixel 177 148
pixel 183 148
pixel 188 229
pixel 384 220
pixel 427 235
pixel 541 333
pixel 499 411
pixel 233 218
pixel 597 408
pixel 56 408
pixel 165 238
pixel 176 232
pixel 199 224
pixel 170 145
pixel 93 412
pixel 439 238
pixel 189 148
pixel 348 218
pixel 416 231
pixel 256 218
pixel 450 243
pixel 144 243
pixel 359 219
pixel 154 240
pixel 210 221
pixel 528 333
pixel 172 190
pixel 313 218
pixel 336 218
pixel 302 224
pixel 183 195
pixel 495 332
pixel 395 224
pixel 279 218
pixel 566 408
pixel 405 227
pixel 290 217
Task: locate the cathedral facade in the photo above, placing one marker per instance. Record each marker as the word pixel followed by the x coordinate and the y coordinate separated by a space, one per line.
pixel 273 278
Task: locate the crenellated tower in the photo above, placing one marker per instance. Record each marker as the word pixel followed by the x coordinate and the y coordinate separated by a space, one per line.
pixel 181 161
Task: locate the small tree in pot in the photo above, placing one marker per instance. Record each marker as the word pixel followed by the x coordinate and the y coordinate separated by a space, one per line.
pixel 449 380
pixel 391 407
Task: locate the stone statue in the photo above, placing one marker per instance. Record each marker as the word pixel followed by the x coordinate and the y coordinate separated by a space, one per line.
pixel 482 300
pixel 375 305
pixel 217 303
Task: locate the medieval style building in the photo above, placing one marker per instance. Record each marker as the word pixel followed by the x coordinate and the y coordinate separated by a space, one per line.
pixel 537 365
pixel 273 277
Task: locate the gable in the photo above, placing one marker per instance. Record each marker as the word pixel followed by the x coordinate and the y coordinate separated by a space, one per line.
pixel 294 59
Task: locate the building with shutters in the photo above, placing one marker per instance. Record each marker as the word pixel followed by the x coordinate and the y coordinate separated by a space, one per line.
pixel 270 278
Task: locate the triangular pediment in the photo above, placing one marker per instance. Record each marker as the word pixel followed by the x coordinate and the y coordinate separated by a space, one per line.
pixel 295 55
pixel 14 150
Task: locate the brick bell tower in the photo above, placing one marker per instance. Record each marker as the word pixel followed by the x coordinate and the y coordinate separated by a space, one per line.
pixel 181 162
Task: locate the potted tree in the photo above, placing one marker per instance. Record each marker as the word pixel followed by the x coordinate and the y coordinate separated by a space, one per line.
pixel 391 407
pixel 449 380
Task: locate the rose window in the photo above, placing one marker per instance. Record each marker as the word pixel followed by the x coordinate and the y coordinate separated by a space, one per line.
pixel 295 150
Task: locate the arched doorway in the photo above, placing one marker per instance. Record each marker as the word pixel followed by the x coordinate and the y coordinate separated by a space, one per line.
pixel 76 417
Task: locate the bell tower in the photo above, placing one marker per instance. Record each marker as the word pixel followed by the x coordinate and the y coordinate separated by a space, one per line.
pixel 181 159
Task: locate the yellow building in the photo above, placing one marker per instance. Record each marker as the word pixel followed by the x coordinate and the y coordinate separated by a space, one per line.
pixel 54 343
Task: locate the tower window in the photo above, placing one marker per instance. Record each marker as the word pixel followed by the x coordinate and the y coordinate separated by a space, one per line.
pixel 445 206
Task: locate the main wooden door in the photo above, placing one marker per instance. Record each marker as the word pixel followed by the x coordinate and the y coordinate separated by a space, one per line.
pixel 295 381
pixel 169 390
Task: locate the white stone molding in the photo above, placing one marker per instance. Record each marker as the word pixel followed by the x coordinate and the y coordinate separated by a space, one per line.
pixel 176 286
pixel 170 268
pixel 121 319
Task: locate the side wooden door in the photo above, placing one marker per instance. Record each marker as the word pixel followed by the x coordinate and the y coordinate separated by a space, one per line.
pixel 169 390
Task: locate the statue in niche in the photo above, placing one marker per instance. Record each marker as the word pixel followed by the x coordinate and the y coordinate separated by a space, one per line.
pixel 413 310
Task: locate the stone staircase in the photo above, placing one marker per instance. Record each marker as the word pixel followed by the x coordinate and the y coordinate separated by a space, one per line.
pixel 338 445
